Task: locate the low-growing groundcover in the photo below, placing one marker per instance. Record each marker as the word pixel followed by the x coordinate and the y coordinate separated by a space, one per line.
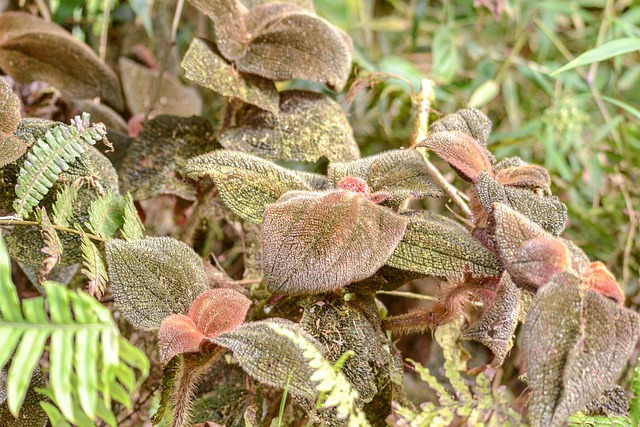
pixel 217 257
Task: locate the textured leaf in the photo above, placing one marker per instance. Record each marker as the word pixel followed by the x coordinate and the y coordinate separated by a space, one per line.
pixel 471 121
pixel 154 278
pixel 152 162
pixel 547 211
pixel 231 30
pixel 437 246
pixel 464 153
pixel 138 83
pixel 132 229
pixel 32 49
pixel 204 65
pixel 532 177
pixel 95 269
pixel 613 401
pixel 246 183
pixel 309 125
pixel 178 334
pixel 101 113
pixel 318 242
pixel 598 278
pixel 53 246
pixel 271 358
pixel 9 109
pixel 106 215
pixel 31 414
pixel 575 343
pixel 401 173
pixel 63 206
pixel 11 148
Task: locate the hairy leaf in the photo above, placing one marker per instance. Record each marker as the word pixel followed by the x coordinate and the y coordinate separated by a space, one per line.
pixel 401 173
pixel 95 269
pixel 471 121
pixel 138 83
pixel 9 109
pixel 152 163
pixel 438 246
pixel 204 65
pixel 49 157
pixel 309 125
pixel 153 278
pixel 32 49
pixel 575 343
pixel 318 242
pixel 246 183
pixel 598 278
pixel 465 154
pixel 31 414
pixel 231 30
pixel 532 177
pixel 547 211
pixel 132 229
pixel 53 246
pixel 11 148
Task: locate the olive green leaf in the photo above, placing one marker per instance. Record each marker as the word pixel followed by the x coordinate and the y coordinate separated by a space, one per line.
pixel 497 326
pixel 246 183
pixel 309 125
pixel 613 401
pixel 172 98
pixel 464 154
pixel 153 278
pixel 401 173
pixel 31 414
pixel 204 65
pixel 132 229
pixel 317 242
pixel 106 215
pixel 9 109
pixel 437 246
pixel 32 49
pixel 575 344
pixel 271 358
pixel 306 46
pixel 546 211
pixel 152 163
pixel 94 268
pixel 471 121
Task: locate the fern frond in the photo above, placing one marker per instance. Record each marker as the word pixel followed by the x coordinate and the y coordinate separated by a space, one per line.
pixel 634 403
pixel 63 206
pixel 83 340
pixel 50 156
pixel 132 228
pixel 96 269
pixel 106 215
pixel 52 246
pixel 582 420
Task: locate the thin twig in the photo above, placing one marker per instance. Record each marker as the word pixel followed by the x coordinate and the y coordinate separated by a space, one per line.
pixel 104 32
pixel 44 10
pixel 420 132
pixel 633 219
pixel 17 221
pixel 408 295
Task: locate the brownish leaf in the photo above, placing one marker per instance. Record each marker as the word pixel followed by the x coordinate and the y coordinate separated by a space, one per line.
pixel 219 310
pixel 9 109
pixel 318 242
pixel 32 49
pixel 471 121
pixel 178 334
pixel 11 148
pixel 598 278
pixel 532 177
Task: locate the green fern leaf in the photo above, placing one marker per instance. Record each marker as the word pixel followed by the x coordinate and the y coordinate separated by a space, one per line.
pixel 86 353
pixel 634 404
pixel 96 269
pixel 52 246
pixel 63 207
pixel 132 228
pixel 106 215
pixel 50 156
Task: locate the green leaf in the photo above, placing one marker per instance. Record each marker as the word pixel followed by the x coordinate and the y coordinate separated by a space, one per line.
pixel 95 269
pixel 484 94
pixel 575 344
pixel 106 215
pixel 132 229
pixel 202 64
pixel 401 173
pixel 152 162
pixel 626 107
pixel 309 125
pixel 445 55
pixel 153 278
pixel 32 49
pixel 318 242
pixel 601 53
pixel 52 246
pixel 63 206
pixel 634 405
pixel 437 246
pixel 246 183
pixel 49 157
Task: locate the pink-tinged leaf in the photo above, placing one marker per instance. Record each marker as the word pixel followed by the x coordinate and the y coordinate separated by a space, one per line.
pixel 465 154
pixel 530 176
pixel 510 230
pixel 598 278
pixel 318 242
pixel 178 334
pixel 538 261
pixel 219 310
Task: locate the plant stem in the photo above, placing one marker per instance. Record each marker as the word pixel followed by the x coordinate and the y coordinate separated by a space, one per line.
pixel 17 221
pixel 104 32
pixel 420 132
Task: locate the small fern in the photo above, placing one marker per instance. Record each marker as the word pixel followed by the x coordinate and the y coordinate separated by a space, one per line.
pixel 53 246
pixel 87 356
pixel 95 268
pixel 132 228
pixel 50 156
pixel 634 404
pixel 63 207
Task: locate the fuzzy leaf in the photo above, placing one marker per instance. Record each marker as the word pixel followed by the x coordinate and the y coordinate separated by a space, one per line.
pixel 547 211
pixel 53 246
pixel 63 206
pixel 246 183
pixel 465 154
pixel 138 83
pixel 271 358
pixel 401 173
pixel 106 215
pixel 95 269
pixel 154 278
pixel 319 242
pixel 151 164
pixel 437 246
pixel 309 125
pixel 204 65
pixel 178 334
pixel 532 177
pixel 32 49
pixel 132 229
pixel 31 414
pixel 598 278
pixel 9 109
pixel 231 30
pixel 575 343
pixel 11 148
pixel 471 121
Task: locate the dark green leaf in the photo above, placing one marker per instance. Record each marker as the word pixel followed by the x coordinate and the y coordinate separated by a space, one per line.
pixel 31 414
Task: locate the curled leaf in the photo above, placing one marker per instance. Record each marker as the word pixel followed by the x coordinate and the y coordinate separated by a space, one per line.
pixel 532 177
pixel 471 121
pixel 203 65
pixel 401 173
pixel 9 109
pixel 575 343
pixel 153 278
pixel 246 183
pixel 318 242
pixel 598 278
pixel 437 246
pixel 178 334
pixel 309 125
pixel 219 310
